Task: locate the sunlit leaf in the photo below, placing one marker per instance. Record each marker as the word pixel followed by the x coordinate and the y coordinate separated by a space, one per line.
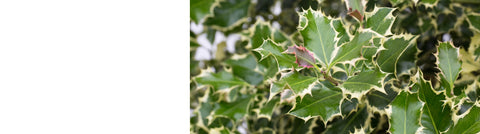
pixel 449 64
pixel 380 20
pixel 270 48
pixel 318 35
pixel 470 124
pixel 387 59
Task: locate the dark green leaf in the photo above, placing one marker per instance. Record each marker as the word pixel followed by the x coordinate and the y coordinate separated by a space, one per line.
pixel 244 68
pixel 199 9
pixel 387 59
pixel 349 123
pixel 380 99
pixel 474 20
pixel 470 124
pixel 235 110
pixel 228 13
pixel 436 116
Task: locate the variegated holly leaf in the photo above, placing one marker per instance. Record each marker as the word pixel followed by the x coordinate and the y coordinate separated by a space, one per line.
pixel 244 68
pixel 474 19
pixel 380 20
pixel 295 81
pixel 365 81
pixel 318 34
pixel 353 49
pixel 395 47
pixel 267 109
pixel 304 58
pixel 260 32
pixel 234 110
pixel 228 13
pixel 219 81
pixel 270 48
pixel 449 65
pixel 355 120
pixel 356 8
pixel 406 111
pixel 323 102
pixel 436 115
pixel 199 9
pixel 470 124
pixel 379 99
pixel 431 2
pixel 342 32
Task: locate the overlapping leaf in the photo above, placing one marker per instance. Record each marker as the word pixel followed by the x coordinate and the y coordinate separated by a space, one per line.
pixel 295 81
pixel 348 124
pixel 406 110
pixel 352 49
pixel 474 20
pixel 364 81
pixel 379 99
pixel 244 68
pixel 270 48
pixel 449 64
pixel 395 47
pixel 235 110
pixel 267 109
pixel 219 81
pixel 318 34
pixel 228 13
pixel 436 115
pixel 380 20
pixel 323 102
pixel 199 9
pixel 356 8
pixel 470 124
pixel 304 58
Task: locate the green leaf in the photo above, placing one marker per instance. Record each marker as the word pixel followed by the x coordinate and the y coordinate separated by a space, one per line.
pixel 235 110
pixel 352 49
pixel 260 32
pixel 318 34
pixel 348 124
pixel 199 9
pixel 295 81
pixel 387 59
pixel 407 60
pixel 299 83
pixel 322 102
pixel 267 109
pixel 270 48
pixel 244 68
pixel 436 116
pixel 364 81
pixel 429 1
pixel 406 110
pixel 470 124
pixel 380 20
pixel 219 81
pixel 228 13
pixel 379 99
pixel 342 33
pixel 449 64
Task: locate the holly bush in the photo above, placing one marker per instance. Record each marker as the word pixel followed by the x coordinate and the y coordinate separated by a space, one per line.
pixel 331 66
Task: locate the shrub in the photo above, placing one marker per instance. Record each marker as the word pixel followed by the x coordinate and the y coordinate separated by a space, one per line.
pixel 307 66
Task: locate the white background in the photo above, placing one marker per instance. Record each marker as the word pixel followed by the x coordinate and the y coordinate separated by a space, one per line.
pixel 94 66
